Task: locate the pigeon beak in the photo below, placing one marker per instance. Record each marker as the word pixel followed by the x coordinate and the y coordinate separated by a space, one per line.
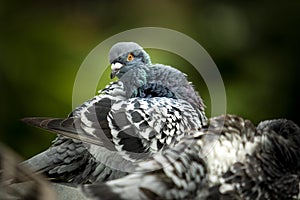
pixel 115 67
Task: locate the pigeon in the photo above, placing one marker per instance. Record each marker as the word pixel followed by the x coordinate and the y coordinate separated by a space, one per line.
pixel 269 172
pixel 146 110
pixel 229 158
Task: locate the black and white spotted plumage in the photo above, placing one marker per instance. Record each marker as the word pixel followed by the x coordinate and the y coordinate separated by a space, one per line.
pixel 144 111
pixel 177 173
pixel 230 159
pixel 271 171
pixel 152 123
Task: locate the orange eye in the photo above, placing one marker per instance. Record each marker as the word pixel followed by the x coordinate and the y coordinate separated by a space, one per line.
pixel 130 57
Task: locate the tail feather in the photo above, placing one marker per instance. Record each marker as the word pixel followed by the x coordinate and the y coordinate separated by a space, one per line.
pixel 69 127
pixel 35 121
pixel 40 162
pixel 65 160
pixel 55 124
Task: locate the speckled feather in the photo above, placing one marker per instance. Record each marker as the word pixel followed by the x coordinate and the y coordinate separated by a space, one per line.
pixel 235 160
pixel 141 125
pixel 90 120
pixel 271 171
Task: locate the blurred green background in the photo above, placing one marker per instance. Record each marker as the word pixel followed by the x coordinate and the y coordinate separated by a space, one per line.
pixel 255 45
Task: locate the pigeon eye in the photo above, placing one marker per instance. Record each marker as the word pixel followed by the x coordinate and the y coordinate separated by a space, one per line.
pixel 130 57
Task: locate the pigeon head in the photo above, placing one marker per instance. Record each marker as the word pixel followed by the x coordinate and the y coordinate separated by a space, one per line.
pixel 283 127
pixel 125 56
pixel 284 142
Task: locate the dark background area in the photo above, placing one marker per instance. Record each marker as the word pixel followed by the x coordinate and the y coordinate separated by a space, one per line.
pixel 255 45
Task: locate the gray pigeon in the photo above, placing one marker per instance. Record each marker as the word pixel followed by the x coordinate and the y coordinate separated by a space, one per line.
pixel 230 159
pixel 142 113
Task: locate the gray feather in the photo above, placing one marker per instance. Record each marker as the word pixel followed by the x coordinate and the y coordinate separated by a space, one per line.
pixel 97 121
pixel 122 48
pixel 230 159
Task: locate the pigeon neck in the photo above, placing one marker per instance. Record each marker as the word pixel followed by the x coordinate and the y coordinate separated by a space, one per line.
pixel 134 79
